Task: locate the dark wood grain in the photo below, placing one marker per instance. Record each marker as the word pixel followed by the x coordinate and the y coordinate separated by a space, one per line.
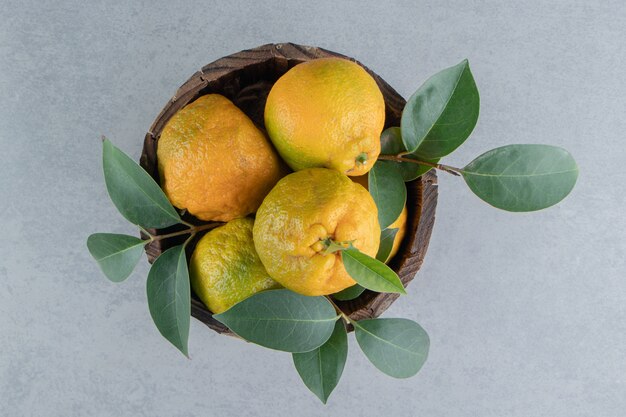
pixel 246 78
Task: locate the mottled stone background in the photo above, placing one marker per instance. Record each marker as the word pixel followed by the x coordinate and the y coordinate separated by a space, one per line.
pixel 526 313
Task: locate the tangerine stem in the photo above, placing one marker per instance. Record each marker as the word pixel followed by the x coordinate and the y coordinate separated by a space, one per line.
pixel 361 159
pixel 330 246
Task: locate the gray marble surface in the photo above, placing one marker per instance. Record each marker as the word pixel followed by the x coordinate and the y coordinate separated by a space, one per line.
pixel 526 313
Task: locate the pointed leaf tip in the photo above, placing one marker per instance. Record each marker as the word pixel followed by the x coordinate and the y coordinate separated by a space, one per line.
pixel 371 273
pixel 133 191
pixel 387 238
pixel 442 113
pixel 169 296
pixel 117 255
pixel 321 368
pixel 386 186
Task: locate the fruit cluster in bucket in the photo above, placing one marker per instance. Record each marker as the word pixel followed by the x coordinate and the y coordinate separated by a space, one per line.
pixel 308 211
pixel 323 119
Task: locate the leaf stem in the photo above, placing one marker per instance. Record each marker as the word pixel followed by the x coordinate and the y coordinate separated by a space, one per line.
pixel 189 239
pixel 191 231
pixel 399 158
pixel 146 233
pixel 189 225
pixel 338 310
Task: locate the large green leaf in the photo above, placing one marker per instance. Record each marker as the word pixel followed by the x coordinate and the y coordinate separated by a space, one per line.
pixel 387 188
pixel 522 177
pixel 282 320
pixel 387 237
pixel 169 297
pixel 442 113
pixel 321 368
pixel 371 273
pixel 135 194
pixel 391 144
pixel 116 254
pixel 349 293
pixel 397 347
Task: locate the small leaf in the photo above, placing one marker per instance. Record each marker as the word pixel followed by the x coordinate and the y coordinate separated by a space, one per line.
pixel 135 194
pixel 442 113
pixel 282 320
pixel 169 297
pixel 387 237
pixel 116 254
pixel 522 177
pixel 349 293
pixel 387 188
pixel 321 368
pixel 391 144
pixel 371 273
pixel 397 347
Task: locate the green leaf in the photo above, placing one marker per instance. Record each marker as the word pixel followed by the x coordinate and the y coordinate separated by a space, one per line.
pixel 282 320
pixel 169 297
pixel 116 254
pixel 135 194
pixel 349 293
pixel 397 347
pixel 391 144
pixel 387 237
pixel 387 188
pixel 522 177
pixel 371 273
pixel 442 113
pixel 321 368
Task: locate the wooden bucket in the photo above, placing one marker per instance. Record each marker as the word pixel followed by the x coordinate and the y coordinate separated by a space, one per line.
pixel 246 78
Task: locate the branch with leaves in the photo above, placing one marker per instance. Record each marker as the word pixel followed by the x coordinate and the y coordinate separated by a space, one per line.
pixel 277 319
pixel 439 117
